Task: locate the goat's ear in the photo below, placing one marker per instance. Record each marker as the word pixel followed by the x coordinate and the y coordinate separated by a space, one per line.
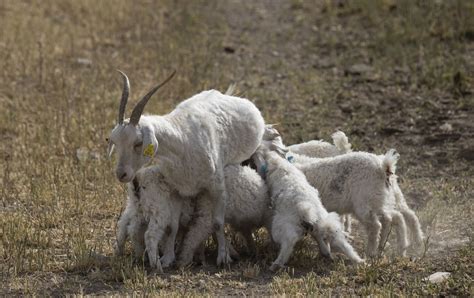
pixel 150 143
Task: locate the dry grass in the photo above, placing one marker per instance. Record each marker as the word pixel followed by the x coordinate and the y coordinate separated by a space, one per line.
pixel 58 101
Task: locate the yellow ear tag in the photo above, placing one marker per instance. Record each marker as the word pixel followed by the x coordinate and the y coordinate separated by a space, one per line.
pixel 149 150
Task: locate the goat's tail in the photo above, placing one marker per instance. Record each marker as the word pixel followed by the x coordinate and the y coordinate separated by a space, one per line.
pixel 389 162
pixel 341 142
pixel 231 89
pixel 308 214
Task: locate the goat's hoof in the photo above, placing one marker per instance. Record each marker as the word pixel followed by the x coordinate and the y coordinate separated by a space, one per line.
pixel 275 267
pixel 223 259
pixel 166 261
pixel 156 271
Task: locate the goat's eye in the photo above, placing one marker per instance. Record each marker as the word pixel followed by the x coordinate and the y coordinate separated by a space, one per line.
pixel 107 140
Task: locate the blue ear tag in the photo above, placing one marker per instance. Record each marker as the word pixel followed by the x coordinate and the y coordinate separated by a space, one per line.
pixel 263 168
pixel 291 158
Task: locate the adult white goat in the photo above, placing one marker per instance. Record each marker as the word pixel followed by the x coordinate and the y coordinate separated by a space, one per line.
pixel 193 144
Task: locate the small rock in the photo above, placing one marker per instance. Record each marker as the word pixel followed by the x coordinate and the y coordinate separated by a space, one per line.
pixel 229 49
pixel 324 63
pixel 82 154
pixel 346 108
pixel 359 69
pixel 391 130
pixel 446 127
pixel 84 61
pixel 438 277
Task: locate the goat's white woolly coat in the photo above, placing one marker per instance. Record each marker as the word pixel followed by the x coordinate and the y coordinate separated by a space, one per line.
pixel 248 208
pixel 193 144
pixel 153 213
pixel 323 149
pixel 395 203
pixel 203 135
pixel 358 183
pixel 297 207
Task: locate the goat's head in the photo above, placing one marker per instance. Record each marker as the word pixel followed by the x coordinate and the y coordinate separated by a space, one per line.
pixel 271 141
pixel 134 138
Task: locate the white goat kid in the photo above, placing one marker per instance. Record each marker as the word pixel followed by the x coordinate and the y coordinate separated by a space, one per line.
pixel 193 144
pixel 248 208
pixel 297 208
pixel 357 183
pixel 322 149
pixel 153 213
pixel 152 207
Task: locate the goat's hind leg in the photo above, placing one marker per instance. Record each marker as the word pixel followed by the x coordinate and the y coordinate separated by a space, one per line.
pixel 386 221
pixel 347 223
pixel 287 242
pixel 373 227
pixel 219 195
pixel 402 239
pixel 413 224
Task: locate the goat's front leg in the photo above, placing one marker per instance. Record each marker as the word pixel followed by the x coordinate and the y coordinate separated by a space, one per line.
pixel 197 234
pixel 122 231
pixel 223 255
pixel 373 227
pixel 169 249
pixel 324 248
pixel 153 236
pixel 136 232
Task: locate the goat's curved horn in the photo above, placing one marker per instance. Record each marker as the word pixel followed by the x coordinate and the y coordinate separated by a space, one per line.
pixel 138 109
pixel 125 93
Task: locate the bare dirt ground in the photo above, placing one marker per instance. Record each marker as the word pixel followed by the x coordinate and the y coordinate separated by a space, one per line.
pixel 389 74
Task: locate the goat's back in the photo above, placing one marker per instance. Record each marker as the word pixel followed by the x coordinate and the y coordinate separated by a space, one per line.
pixel 231 126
